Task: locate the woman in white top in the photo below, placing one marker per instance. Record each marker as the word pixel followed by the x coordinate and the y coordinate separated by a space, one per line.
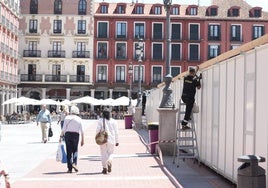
pixel 71 130
pixel 108 149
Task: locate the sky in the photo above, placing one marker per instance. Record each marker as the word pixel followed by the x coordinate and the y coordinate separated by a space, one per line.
pixel 253 3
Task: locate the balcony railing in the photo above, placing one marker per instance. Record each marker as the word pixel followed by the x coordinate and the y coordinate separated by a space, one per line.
pixel 79 78
pixel 53 53
pixel 31 77
pixel 32 53
pixel 81 54
pixel 54 78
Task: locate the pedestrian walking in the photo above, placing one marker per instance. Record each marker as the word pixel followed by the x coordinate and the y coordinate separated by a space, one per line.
pixel 72 129
pixel 62 116
pixel 107 149
pixel 44 118
pixel 190 83
pixel 4 177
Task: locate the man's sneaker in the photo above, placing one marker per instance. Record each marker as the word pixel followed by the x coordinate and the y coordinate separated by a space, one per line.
pixel 104 171
pixel 185 127
pixel 184 122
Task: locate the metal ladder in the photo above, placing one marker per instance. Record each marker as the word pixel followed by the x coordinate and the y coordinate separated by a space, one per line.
pixel 186 140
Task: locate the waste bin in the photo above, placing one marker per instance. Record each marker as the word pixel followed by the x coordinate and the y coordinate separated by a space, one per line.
pixel 153 135
pixel 128 121
pixel 249 174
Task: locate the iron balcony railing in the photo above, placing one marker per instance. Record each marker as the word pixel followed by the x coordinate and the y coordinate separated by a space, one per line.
pixel 81 54
pixel 54 53
pixel 32 53
pixel 54 78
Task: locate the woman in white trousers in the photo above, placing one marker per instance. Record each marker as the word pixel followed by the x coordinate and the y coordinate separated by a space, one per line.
pixel 107 149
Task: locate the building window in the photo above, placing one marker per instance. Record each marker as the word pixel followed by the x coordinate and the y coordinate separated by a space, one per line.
pixel 175 11
pixel 57 7
pixel 157 31
pixel 56 51
pixel 157 10
pixel 257 13
pixel 213 11
pixel 121 51
pixel 81 27
pixel 194 32
pixel 213 51
pixel 121 30
pixel 139 30
pixel 57 26
pixel 104 9
pixel 80 72
pixel 121 9
pixel 32 45
pixel 257 32
pixel 233 12
pixel 175 71
pixel 120 74
pixel 102 73
pixel 175 51
pixel 56 72
pixel 157 51
pixel 102 30
pixel 81 49
pixel 102 50
pixel 136 74
pixel 193 52
pixel 139 10
pixel 235 33
pixel 176 31
pixel 82 7
pixel 214 32
pixel 34 7
pixel 193 11
pixel 31 72
pixel 157 75
pixel 33 26
pixel 136 46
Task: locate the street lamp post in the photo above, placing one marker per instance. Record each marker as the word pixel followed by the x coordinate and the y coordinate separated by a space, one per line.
pixel 130 71
pixel 139 53
pixel 167 101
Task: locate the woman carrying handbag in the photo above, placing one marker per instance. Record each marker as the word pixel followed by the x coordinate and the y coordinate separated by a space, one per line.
pixel 110 126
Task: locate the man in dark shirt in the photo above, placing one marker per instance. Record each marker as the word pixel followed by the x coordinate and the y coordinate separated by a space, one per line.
pixel 190 83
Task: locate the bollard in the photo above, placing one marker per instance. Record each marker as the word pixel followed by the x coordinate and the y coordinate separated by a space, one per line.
pixel 249 174
pixel 153 135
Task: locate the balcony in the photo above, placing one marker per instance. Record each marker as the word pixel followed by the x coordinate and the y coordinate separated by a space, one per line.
pixel 63 79
pixel 31 53
pixel 80 78
pixel 58 54
pixel 81 54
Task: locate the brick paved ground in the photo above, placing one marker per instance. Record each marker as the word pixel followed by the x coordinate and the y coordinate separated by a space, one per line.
pixel 132 166
pixel 32 164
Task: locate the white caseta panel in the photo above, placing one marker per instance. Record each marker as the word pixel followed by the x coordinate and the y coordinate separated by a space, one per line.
pixel 230 118
pixel 222 118
pixel 239 112
pixel 215 114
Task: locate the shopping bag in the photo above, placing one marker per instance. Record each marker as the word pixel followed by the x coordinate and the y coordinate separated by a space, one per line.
pixel 50 132
pixel 59 153
pixel 64 155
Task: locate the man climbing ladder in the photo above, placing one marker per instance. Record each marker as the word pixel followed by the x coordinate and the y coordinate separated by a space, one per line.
pixel 190 83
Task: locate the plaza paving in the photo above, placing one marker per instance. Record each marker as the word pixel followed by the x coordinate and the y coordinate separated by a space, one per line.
pixel 32 164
